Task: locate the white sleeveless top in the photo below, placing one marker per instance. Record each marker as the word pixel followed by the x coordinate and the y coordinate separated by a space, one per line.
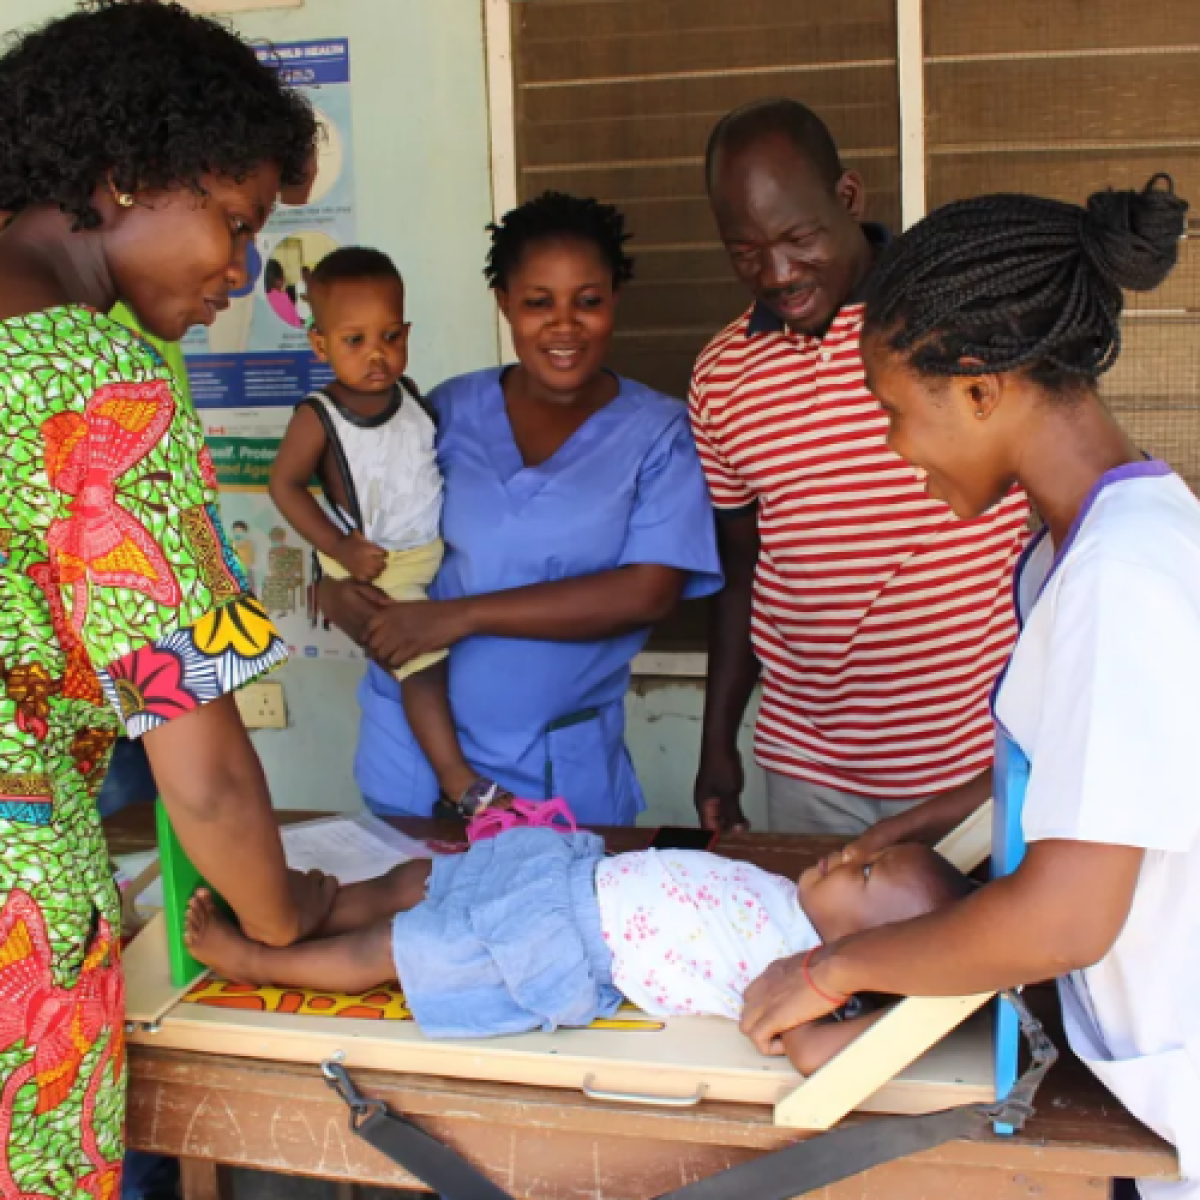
pixel 393 467
pixel 690 931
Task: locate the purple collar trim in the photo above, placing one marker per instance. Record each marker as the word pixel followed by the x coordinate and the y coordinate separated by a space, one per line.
pixel 1150 468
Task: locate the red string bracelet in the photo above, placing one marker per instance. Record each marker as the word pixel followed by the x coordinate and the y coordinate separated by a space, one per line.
pixel 836 1001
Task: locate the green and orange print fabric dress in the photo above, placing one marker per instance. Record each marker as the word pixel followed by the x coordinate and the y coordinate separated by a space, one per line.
pixel 122 607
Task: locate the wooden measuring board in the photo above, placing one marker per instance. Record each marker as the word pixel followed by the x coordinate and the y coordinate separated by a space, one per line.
pixel 914 1027
pixel 150 992
pixel 180 879
pixel 658 1061
pixel 924 1056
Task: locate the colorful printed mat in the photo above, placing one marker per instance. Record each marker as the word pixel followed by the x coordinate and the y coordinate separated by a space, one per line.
pixel 379 1004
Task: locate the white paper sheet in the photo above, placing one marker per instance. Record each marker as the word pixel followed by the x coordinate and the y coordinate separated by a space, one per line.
pixel 350 848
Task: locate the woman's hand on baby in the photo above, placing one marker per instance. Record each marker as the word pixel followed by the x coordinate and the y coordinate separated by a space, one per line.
pixel 362 559
pixel 782 998
pixel 401 632
pixel 313 893
pixel 926 823
pixel 869 846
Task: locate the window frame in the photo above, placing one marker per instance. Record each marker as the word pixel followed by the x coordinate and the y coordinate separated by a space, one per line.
pixel 912 63
pixel 502 138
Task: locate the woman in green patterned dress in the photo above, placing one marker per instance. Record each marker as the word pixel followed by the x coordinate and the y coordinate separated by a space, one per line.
pixel 141 148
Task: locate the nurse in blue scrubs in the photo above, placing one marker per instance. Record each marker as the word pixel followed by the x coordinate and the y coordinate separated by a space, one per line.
pixel 576 516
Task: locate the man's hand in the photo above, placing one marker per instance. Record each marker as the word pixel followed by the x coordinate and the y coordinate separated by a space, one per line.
pixel 313 893
pixel 718 793
pixel 362 559
pixel 401 632
pixel 780 999
pixel 732 673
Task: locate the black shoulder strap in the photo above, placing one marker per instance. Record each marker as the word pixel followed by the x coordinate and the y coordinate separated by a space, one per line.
pixel 419 397
pixel 441 1169
pixel 796 1170
pixel 339 457
pixel 831 1157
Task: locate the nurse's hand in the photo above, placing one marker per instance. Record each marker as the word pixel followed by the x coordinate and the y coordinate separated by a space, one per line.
pixel 784 996
pixel 926 823
pixel 891 831
pixel 401 632
pixel 350 605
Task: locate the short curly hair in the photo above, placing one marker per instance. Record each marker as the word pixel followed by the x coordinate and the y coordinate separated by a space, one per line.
pixel 1022 283
pixel 147 94
pixel 554 215
pixel 354 262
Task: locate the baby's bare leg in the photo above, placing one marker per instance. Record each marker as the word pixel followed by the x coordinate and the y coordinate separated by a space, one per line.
pixel 426 699
pixel 347 962
pixel 810 1047
pixel 361 904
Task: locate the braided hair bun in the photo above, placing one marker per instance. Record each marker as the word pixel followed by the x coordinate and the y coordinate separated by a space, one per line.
pixel 1013 282
pixel 1132 238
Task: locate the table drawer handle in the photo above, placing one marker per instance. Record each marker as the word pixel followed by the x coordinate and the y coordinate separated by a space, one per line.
pixel 594 1093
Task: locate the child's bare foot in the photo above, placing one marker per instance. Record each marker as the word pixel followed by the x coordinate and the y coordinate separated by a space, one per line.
pixel 217 943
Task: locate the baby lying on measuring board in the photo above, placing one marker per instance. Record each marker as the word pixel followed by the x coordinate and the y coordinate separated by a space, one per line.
pixel 537 929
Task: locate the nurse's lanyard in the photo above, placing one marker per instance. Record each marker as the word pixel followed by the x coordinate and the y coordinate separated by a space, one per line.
pixel 795 1171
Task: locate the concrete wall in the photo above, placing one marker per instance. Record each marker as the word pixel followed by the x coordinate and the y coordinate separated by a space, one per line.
pixel 309 765
pixel 664 740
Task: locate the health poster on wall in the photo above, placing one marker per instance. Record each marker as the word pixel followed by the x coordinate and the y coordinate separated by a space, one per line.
pixel 278 564
pixel 256 354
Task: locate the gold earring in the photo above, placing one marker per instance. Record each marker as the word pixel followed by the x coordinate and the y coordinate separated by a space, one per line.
pixel 124 199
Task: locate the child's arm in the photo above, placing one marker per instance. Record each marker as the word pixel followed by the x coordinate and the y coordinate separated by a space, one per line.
pixel 214 789
pixel 300 453
pixel 810 1047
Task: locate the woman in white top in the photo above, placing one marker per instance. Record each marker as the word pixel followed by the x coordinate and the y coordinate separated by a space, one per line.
pixel 987 328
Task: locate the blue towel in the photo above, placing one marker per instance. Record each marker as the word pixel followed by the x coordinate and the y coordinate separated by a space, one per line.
pixel 508 939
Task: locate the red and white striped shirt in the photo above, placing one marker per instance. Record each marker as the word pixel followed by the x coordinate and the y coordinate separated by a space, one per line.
pixel 880 619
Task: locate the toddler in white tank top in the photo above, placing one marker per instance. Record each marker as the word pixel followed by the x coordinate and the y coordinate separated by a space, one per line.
pixel 368 438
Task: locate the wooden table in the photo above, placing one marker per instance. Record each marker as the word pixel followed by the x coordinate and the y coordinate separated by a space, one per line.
pixel 551 1144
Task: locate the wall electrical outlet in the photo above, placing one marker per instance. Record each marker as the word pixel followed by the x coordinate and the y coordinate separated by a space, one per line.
pixel 262 706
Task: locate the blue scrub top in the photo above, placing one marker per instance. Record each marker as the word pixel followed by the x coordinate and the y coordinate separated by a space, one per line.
pixel 545 718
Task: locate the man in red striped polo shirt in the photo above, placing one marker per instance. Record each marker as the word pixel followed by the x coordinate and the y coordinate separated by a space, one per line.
pixel 880 622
